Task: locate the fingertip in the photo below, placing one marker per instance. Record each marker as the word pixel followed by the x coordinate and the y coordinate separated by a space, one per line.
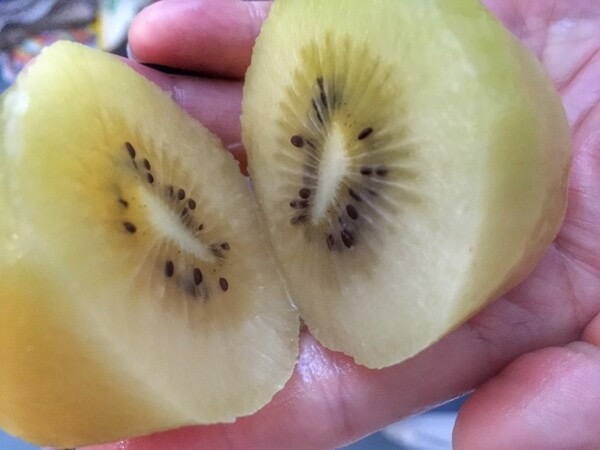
pixel 207 36
pixel 546 399
pixel 141 40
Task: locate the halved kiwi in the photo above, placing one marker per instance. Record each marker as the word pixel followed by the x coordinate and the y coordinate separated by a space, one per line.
pixel 410 159
pixel 138 291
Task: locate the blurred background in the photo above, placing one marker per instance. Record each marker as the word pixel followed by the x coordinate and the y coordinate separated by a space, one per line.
pixel 26 26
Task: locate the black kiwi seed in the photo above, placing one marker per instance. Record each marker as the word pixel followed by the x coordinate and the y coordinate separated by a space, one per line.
pixel 304 193
pixel 184 212
pixel 317 112
pixel 124 203
pixel 330 241
pixel 216 250
pixel 192 203
pixel 169 268
pixel 297 141
pixel 197 276
pixel 130 150
pixel 129 227
pixel 381 172
pixel 224 284
pixel 366 171
pixel 180 194
pixel 354 195
pixel 225 246
pixel 201 227
pixel 299 204
pixel 150 178
pixel 298 219
pixel 347 238
pixel 365 133
pixel 147 164
pixel 322 91
pixel 352 212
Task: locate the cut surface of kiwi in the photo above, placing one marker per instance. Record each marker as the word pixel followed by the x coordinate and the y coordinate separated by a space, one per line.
pixel 410 159
pixel 138 291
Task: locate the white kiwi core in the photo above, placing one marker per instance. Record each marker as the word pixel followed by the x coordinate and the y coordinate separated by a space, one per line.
pixel 333 168
pixel 169 225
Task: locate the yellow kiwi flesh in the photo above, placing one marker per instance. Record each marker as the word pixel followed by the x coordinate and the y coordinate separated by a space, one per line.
pixel 138 291
pixel 410 159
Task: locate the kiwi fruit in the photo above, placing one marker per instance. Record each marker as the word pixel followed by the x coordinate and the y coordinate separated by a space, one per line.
pixel 138 292
pixel 410 159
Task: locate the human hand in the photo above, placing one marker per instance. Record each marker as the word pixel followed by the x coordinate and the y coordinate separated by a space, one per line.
pixel 532 355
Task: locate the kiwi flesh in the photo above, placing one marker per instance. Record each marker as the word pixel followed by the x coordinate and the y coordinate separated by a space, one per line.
pixel 138 290
pixel 410 159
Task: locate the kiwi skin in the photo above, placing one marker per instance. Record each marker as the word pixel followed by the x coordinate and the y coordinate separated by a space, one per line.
pixel 485 120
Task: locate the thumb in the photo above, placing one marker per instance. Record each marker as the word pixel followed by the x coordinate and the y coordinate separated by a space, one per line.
pixel 546 399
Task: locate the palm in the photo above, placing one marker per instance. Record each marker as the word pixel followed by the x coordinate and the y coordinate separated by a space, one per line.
pixel 555 306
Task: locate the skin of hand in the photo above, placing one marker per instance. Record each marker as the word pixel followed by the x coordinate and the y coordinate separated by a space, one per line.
pixel 532 357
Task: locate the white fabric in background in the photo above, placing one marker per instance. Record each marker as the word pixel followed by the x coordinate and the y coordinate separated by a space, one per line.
pixel 22 18
pixel 430 431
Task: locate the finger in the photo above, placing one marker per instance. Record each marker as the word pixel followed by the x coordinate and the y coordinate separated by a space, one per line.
pixel 207 36
pixel 547 399
pixel 215 103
